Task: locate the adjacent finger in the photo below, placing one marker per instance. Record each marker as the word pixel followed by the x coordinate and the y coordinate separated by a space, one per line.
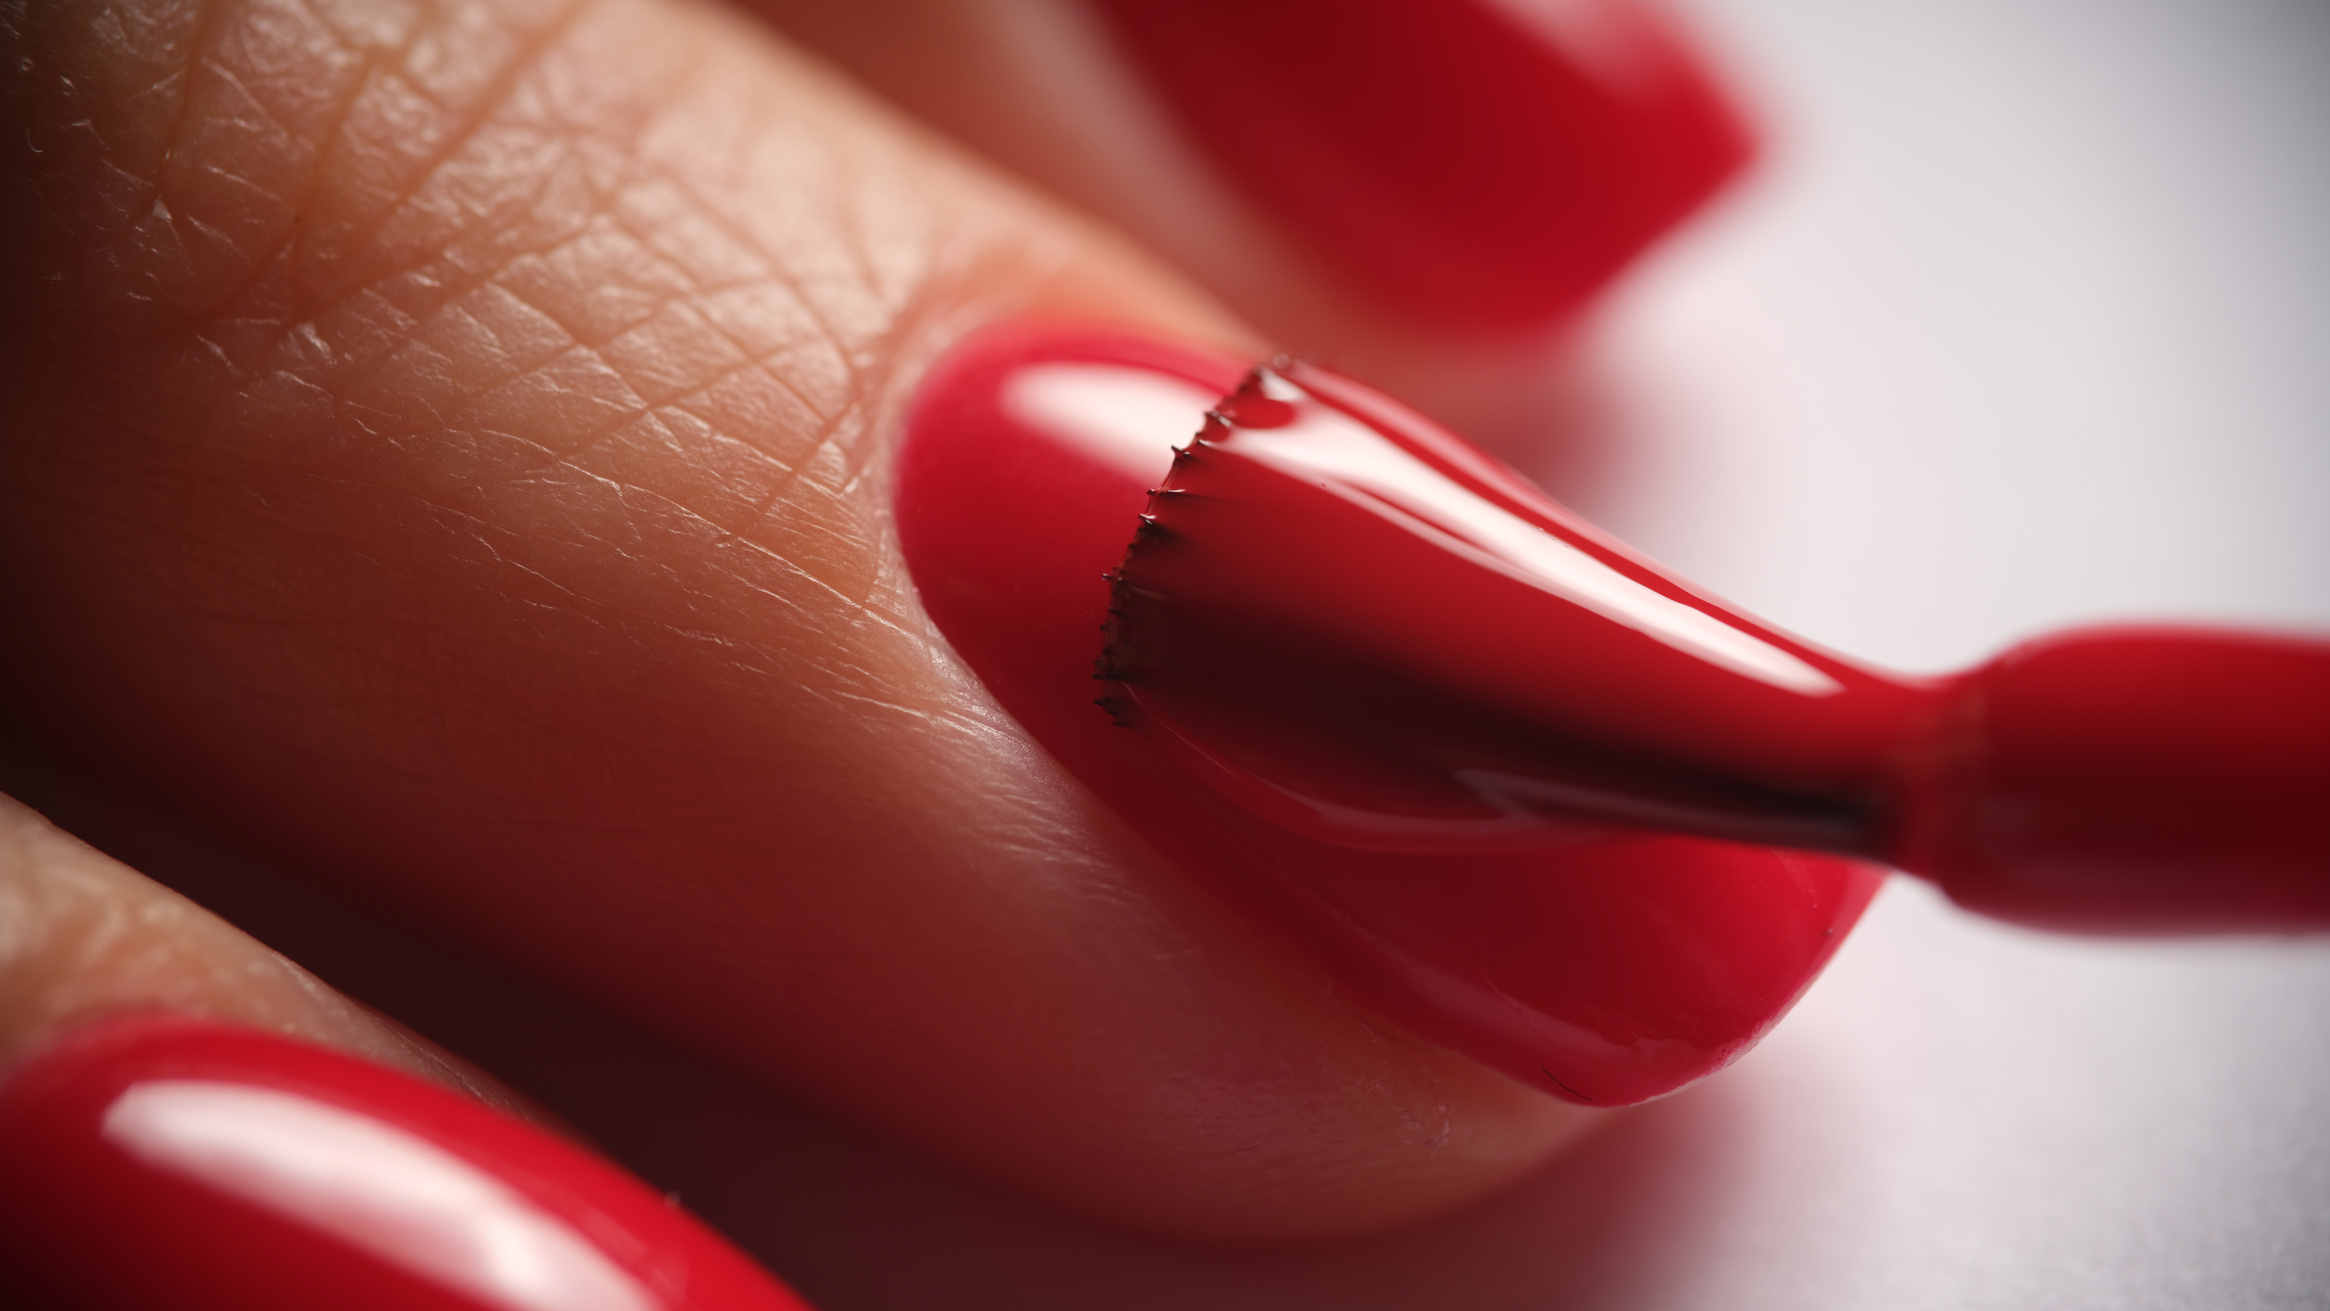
pixel 1424 192
pixel 452 442
pixel 83 937
pixel 171 1088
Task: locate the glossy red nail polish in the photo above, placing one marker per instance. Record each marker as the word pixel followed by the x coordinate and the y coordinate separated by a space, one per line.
pixel 1601 965
pixel 165 1162
pixel 1480 163
pixel 1357 628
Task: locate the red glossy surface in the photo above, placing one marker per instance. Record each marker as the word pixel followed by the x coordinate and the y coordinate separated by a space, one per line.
pixel 1358 628
pixel 1358 625
pixel 2136 780
pixel 163 1162
pixel 1475 162
pixel 1601 965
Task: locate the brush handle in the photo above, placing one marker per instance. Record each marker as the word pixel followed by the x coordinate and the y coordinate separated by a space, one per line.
pixel 2130 780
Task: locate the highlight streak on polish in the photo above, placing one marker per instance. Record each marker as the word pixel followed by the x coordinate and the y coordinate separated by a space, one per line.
pixel 406 1201
pixel 1366 468
pixel 1129 419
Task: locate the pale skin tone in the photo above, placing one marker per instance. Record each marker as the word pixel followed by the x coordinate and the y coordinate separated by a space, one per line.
pixel 448 448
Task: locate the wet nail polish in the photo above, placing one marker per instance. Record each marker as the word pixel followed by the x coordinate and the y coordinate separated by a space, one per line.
pixel 1600 964
pixel 159 1161
pixel 1475 163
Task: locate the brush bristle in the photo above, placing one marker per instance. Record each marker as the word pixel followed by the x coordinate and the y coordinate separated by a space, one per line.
pixel 1126 637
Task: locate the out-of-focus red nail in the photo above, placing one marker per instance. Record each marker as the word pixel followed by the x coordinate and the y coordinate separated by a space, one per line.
pixel 1486 164
pixel 1610 970
pixel 161 1162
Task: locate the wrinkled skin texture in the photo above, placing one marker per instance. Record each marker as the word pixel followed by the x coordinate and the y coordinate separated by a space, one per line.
pixel 449 443
pixel 83 936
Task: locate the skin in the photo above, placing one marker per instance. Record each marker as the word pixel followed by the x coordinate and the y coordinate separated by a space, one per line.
pixel 88 937
pixel 448 449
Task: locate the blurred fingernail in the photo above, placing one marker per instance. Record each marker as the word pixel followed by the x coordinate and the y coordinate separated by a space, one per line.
pixel 1477 163
pixel 160 1161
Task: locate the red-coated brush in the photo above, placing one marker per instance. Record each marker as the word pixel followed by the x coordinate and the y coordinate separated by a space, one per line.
pixel 1361 629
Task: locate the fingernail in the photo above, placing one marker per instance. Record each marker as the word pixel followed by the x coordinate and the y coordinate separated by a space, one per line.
pixel 164 1161
pixel 1478 163
pixel 1608 971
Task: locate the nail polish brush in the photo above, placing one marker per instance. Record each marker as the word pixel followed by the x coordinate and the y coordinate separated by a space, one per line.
pixel 1361 629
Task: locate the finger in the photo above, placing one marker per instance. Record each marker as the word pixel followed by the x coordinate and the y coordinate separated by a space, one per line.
pixel 453 444
pixel 86 937
pixel 1424 192
pixel 171 1088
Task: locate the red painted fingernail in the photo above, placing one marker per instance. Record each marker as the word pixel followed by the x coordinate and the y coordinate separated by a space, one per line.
pixel 1610 970
pixel 166 1162
pixel 1481 163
